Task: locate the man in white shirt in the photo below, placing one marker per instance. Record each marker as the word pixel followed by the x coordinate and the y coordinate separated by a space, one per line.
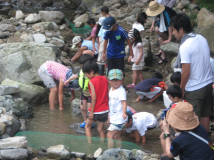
pixel 196 78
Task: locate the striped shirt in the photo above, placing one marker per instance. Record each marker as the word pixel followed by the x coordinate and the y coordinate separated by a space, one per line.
pixel 56 70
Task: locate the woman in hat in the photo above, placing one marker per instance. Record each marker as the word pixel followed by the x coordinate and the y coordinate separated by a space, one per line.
pixel 163 29
pixel 186 144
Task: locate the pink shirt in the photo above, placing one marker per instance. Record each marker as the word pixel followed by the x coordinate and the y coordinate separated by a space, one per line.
pixel 136 52
pixel 93 32
pixel 56 70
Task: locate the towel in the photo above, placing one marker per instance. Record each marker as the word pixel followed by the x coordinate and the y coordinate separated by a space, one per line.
pixel 162 27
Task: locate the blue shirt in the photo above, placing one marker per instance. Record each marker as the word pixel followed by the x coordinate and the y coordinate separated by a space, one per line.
pixel 145 85
pixel 116 42
pixel 89 45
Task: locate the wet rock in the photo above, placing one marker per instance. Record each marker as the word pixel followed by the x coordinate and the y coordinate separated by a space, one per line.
pixel 43 26
pixel 98 152
pixel 6 119
pixel 19 15
pixel 79 24
pixel 32 94
pixel 57 42
pixel 58 152
pixel 13 143
pixel 4 136
pixel 170 48
pixel 23 125
pixel 7 27
pixel 115 154
pixel 2 128
pixel 32 18
pixel 83 18
pixel 78 155
pixel 52 16
pixel 5 90
pixel 40 38
pixel 76 107
pixel 205 18
pixel 76 127
pixel 14 154
pixel 15 106
pixel 14 128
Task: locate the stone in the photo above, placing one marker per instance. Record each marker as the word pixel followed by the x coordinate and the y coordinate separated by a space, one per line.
pixel 40 38
pixel 5 90
pixel 7 27
pixel 115 154
pixel 52 16
pixel 66 61
pixel 62 27
pixel 14 128
pixel 23 123
pixel 79 24
pixel 27 37
pixel 136 11
pixel 57 42
pixel 116 6
pixel 42 26
pixel 14 154
pixel 4 35
pixel 118 15
pixel 148 57
pixel 30 93
pixel 21 61
pixel 4 136
pixel 173 62
pixel 193 6
pixel 13 143
pixel 76 69
pixel 131 1
pixel 180 6
pixel 76 107
pixel 170 48
pixel 98 152
pixel 58 152
pixel 83 18
pixel 19 15
pixel 185 2
pixel 138 4
pixel 32 18
pixel 205 18
pixel 2 128
pixel 78 155
pixel 6 119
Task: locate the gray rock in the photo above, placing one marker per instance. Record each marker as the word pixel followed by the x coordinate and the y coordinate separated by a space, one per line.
pixel 6 119
pixel 79 24
pixel 170 48
pixel 57 42
pixel 91 4
pixel 32 18
pixel 52 16
pixel 131 1
pixel 180 6
pixel 76 69
pixel 19 15
pixel 32 94
pixel 40 38
pixel 21 61
pixel 115 154
pixel 138 4
pixel 136 11
pixel 173 62
pixel 78 155
pixel 205 18
pixel 193 6
pixel 185 2
pixel 14 153
pixel 5 90
pixel 2 128
pixel 118 15
pixel 76 107
pixel 116 6
pixel 14 128
pixel 4 35
pixel 7 27
pixel 58 152
pixel 83 18
pixel 27 37
pixel 13 143
pixel 4 136
pixel 98 152
pixel 15 106
pixel 42 26
pixel 66 61
pixel 62 27
pixel 148 57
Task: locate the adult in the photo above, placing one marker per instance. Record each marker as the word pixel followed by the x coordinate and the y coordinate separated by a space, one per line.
pixel 85 47
pixel 189 134
pixel 196 78
pixel 163 28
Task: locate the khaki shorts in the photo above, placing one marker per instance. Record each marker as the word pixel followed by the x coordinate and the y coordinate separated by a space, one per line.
pixel 201 100
pixel 100 54
pixel 138 67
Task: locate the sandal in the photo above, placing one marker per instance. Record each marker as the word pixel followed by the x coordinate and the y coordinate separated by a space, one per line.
pixel 131 86
pixel 163 61
pixel 159 53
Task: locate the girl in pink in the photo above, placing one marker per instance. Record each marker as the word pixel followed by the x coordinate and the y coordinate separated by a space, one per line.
pixel 138 59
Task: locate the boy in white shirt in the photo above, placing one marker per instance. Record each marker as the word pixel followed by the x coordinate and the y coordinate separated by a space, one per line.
pixel 117 106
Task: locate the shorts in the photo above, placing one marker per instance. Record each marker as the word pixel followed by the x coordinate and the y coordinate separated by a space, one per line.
pixel 88 99
pixel 138 67
pixel 47 79
pixel 150 95
pixel 100 117
pixel 201 100
pixel 117 127
pixel 100 55
pixel 95 56
pixel 117 63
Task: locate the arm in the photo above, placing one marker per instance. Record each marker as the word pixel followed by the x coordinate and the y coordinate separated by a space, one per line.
pixel 156 96
pixel 130 47
pixel 185 75
pixel 124 106
pixel 79 53
pixel 93 100
pixel 170 36
pixel 141 55
pixel 171 3
pixel 89 38
pixel 152 26
pixel 60 93
pixel 71 78
pixel 93 42
pixel 104 49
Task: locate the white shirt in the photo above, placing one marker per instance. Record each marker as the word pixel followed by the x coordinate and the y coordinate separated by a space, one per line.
pixel 142 121
pixel 196 52
pixel 115 105
pixel 136 52
pixel 138 26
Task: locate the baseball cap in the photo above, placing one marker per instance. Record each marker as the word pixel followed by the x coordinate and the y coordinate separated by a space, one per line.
pixel 108 23
pixel 75 41
pixel 115 74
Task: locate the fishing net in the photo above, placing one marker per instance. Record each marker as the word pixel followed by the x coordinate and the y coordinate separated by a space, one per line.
pixel 73 142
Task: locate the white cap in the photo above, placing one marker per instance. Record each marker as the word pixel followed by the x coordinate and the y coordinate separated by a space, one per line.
pixel 75 41
pixel 100 21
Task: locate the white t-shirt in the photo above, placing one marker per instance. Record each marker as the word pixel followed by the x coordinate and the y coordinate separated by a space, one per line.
pixel 138 26
pixel 115 105
pixel 136 52
pixel 142 121
pixel 196 52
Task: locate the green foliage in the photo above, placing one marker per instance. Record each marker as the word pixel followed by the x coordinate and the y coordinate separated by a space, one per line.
pixel 193 19
pixel 208 4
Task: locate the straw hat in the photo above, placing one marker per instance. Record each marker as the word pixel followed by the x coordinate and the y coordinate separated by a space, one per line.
pixel 154 9
pixel 182 117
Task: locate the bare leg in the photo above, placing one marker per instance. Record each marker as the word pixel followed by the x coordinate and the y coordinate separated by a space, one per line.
pixel 88 129
pixel 100 129
pixel 119 139
pixel 137 136
pixel 134 77
pixel 163 144
pixel 52 96
pixel 72 95
pixel 140 74
pixel 138 98
pixel 83 107
pixel 110 137
pixel 205 121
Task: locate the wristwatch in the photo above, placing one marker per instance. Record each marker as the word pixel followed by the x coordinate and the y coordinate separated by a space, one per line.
pixel 166 135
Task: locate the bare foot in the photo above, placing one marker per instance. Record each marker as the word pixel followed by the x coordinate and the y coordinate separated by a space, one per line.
pixel 61 109
pixel 163 155
pixel 72 98
pixel 52 109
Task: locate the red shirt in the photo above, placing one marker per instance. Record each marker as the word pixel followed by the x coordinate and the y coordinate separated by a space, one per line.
pixel 101 89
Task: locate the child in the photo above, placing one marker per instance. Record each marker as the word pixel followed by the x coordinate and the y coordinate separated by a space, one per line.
pixel 151 88
pixel 51 71
pixel 105 11
pixel 138 58
pixel 176 78
pixel 85 97
pixel 117 105
pixel 139 25
pixel 98 87
pixel 139 123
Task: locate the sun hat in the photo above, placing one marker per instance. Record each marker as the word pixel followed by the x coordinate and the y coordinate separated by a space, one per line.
pixel 108 23
pixel 100 21
pixel 154 9
pixel 115 74
pixel 75 41
pixel 182 117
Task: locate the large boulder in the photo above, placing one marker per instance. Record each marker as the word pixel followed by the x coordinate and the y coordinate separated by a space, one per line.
pixel 147 52
pixel 32 18
pixel 58 152
pixel 16 106
pixel 21 61
pixel 13 128
pixel 52 16
pixel 14 143
pixel 205 18
pixel 30 93
pixel 5 90
pixel 170 48
pixel 83 18
pixel 43 26
pixel 14 154
pixel 115 154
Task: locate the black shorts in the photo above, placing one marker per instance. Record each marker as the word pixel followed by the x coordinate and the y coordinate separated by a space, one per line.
pixel 100 117
pixel 88 99
pixel 117 63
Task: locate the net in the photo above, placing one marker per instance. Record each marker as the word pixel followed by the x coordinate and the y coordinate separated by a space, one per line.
pixel 82 30
pixel 73 142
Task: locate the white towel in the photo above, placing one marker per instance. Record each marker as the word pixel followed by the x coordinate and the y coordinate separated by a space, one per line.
pixel 162 27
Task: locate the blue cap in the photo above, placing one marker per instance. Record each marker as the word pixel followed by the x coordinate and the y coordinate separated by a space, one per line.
pixel 108 23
